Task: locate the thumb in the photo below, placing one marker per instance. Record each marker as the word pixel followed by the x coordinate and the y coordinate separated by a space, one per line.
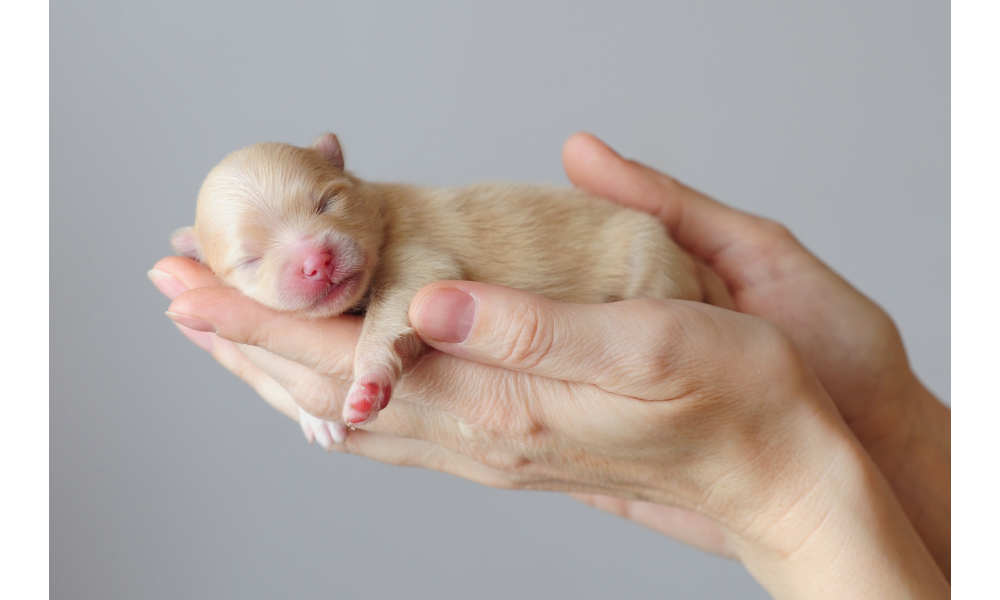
pixel 614 346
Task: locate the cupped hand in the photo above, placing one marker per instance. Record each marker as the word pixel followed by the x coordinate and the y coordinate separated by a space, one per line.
pixel 659 401
pixel 285 382
pixel 852 344
pixel 668 402
pixel 849 342
pixel 317 381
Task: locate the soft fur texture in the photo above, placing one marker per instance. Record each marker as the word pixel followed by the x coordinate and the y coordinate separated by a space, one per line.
pixel 290 228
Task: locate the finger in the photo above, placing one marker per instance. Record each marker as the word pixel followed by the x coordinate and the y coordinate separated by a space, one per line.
pixel 319 395
pixel 716 233
pixel 408 452
pixel 191 273
pixel 175 275
pixel 315 399
pixel 484 411
pixel 394 450
pixel 270 390
pixel 283 383
pixel 420 421
pixel 326 345
pixel 713 287
pixel 624 347
pixel 504 419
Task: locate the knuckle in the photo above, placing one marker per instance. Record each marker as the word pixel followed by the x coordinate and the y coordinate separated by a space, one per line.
pixel 338 365
pixel 649 308
pixel 505 414
pixel 504 436
pixel 318 397
pixel 257 334
pixel 513 469
pixel 498 480
pixel 777 349
pixel 775 231
pixel 529 337
pixel 656 348
pixel 668 185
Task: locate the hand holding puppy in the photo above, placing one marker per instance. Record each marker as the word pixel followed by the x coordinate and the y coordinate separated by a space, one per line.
pixel 670 402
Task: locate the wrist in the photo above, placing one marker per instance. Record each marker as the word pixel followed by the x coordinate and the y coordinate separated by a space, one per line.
pixel 908 437
pixel 916 462
pixel 906 422
pixel 844 535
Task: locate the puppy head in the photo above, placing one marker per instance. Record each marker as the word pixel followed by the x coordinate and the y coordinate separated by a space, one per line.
pixel 288 227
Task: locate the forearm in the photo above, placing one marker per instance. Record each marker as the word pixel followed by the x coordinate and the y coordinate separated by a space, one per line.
pixel 915 457
pixel 846 537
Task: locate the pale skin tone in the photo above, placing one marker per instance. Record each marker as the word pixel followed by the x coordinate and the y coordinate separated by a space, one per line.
pixel 793 436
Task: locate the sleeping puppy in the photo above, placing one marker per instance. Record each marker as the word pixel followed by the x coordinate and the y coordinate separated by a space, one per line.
pixel 291 229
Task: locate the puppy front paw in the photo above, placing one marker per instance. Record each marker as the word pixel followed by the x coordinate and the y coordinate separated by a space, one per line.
pixel 326 433
pixel 369 394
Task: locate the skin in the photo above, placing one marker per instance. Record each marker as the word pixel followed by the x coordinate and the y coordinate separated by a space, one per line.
pixel 770 437
pixel 850 343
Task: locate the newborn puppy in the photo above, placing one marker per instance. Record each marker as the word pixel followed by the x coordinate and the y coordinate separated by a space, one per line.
pixel 290 228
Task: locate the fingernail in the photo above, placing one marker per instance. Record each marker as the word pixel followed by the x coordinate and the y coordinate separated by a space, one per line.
pixel 167 283
pixel 447 316
pixel 192 322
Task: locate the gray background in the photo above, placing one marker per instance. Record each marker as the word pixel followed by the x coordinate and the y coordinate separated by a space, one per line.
pixel 170 479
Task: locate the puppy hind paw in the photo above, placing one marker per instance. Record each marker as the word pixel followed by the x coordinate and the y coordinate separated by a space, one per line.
pixel 367 396
pixel 326 433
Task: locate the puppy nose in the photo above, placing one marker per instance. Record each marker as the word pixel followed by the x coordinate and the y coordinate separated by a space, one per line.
pixel 317 264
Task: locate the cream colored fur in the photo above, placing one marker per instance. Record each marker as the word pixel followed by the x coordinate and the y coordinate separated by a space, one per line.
pixel 558 242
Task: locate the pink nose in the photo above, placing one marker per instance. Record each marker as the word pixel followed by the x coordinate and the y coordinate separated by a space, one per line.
pixel 317 264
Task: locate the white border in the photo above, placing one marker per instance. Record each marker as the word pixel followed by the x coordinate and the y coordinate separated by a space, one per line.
pixel 975 220
pixel 24 301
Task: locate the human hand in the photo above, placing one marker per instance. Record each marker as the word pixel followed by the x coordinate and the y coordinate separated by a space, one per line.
pixel 299 348
pixel 175 275
pixel 669 402
pixel 323 388
pixel 522 333
pixel 849 342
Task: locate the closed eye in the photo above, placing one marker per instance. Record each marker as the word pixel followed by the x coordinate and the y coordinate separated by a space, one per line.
pixel 325 204
pixel 250 262
pixel 331 196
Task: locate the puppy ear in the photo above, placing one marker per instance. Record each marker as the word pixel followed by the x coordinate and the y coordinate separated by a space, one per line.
pixel 329 146
pixel 184 242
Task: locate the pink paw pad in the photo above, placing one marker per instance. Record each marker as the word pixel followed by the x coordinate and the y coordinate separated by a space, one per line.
pixel 365 399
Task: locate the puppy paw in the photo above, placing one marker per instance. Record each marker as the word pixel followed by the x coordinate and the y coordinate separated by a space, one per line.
pixel 325 432
pixel 368 395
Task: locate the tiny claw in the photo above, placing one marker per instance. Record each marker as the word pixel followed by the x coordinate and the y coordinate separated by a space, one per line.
pixel 324 432
pixel 304 419
pixel 338 431
pixel 324 439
